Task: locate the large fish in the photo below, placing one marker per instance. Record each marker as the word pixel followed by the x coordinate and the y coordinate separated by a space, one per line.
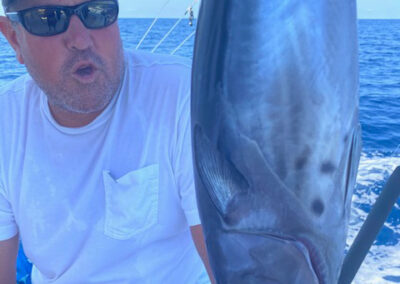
pixel 276 136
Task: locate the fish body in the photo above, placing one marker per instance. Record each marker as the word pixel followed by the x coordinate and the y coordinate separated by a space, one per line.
pixel 276 136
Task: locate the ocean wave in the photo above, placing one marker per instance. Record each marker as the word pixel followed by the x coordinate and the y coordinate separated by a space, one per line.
pixel 382 264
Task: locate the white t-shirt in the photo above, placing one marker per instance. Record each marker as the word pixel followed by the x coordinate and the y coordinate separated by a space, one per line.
pixel 110 202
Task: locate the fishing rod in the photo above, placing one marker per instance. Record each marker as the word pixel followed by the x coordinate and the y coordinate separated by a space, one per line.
pixel 371 227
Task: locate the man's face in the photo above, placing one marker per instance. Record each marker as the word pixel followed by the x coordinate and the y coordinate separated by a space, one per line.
pixel 79 70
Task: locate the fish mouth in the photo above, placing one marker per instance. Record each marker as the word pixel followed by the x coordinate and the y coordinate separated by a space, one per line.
pixel 308 251
pixel 275 258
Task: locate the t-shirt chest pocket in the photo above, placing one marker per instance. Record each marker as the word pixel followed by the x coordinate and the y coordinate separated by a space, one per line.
pixel 131 202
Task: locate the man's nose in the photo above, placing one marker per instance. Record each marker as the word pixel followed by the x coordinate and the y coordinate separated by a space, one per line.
pixel 77 36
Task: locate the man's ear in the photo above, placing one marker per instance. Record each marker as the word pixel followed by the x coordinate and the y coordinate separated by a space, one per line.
pixel 7 29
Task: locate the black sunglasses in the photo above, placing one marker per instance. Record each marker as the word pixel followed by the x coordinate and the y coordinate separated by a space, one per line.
pixel 53 20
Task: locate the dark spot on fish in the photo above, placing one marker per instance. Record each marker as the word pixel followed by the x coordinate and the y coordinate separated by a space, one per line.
pixel 301 162
pixel 318 207
pixel 345 138
pixel 303 159
pixel 327 168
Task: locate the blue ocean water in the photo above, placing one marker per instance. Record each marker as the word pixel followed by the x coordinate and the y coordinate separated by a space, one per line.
pixel 379 42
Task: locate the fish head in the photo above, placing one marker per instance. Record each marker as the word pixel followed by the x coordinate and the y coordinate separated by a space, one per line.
pixel 256 226
pixel 263 258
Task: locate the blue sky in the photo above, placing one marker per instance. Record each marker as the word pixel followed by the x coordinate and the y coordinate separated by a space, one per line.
pixel 370 9
pixel 367 9
pixel 379 9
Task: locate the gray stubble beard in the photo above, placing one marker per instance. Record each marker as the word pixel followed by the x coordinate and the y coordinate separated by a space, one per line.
pixel 72 96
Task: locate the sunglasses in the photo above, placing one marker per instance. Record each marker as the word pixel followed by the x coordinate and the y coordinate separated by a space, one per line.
pixel 53 20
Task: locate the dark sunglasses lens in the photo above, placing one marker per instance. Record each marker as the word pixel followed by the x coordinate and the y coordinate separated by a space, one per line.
pixel 99 14
pixel 45 21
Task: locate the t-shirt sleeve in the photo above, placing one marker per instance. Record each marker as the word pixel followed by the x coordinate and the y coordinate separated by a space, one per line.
pixel 184 166
pixel 8 227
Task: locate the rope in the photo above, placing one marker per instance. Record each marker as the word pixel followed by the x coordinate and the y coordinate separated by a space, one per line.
pixel 183 42
pixel 167 34
pixel 152 24
pixel 171 29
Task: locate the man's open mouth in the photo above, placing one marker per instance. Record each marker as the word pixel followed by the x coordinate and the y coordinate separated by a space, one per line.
pixel 85 70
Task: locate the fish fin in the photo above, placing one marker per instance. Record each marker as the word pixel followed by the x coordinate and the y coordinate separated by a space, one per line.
pixel 218 174
pixel 352 164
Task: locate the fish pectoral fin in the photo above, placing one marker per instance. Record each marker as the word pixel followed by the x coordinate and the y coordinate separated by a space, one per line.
pixel 218 174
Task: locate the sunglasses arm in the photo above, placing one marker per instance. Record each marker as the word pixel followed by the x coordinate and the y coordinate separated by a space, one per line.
pixel 13 16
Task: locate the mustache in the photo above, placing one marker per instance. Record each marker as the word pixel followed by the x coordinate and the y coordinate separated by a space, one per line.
pixel 81 55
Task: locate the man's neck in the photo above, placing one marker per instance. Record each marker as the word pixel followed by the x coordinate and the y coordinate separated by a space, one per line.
pixel 72 119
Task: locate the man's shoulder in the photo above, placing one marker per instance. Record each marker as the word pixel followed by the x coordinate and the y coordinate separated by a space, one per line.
pixel 17 98
pixel 161 82
pixel 16 89
pixel 170 64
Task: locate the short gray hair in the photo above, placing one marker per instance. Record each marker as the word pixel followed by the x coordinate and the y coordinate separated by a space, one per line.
pixel 9 5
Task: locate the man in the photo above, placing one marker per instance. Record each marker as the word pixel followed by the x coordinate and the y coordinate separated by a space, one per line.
pixel 95 161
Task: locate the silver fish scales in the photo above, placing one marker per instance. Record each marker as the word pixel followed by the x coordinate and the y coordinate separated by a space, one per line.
pixel 276 136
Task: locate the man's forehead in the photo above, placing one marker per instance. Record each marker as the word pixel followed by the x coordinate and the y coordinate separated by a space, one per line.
pixel 23 4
